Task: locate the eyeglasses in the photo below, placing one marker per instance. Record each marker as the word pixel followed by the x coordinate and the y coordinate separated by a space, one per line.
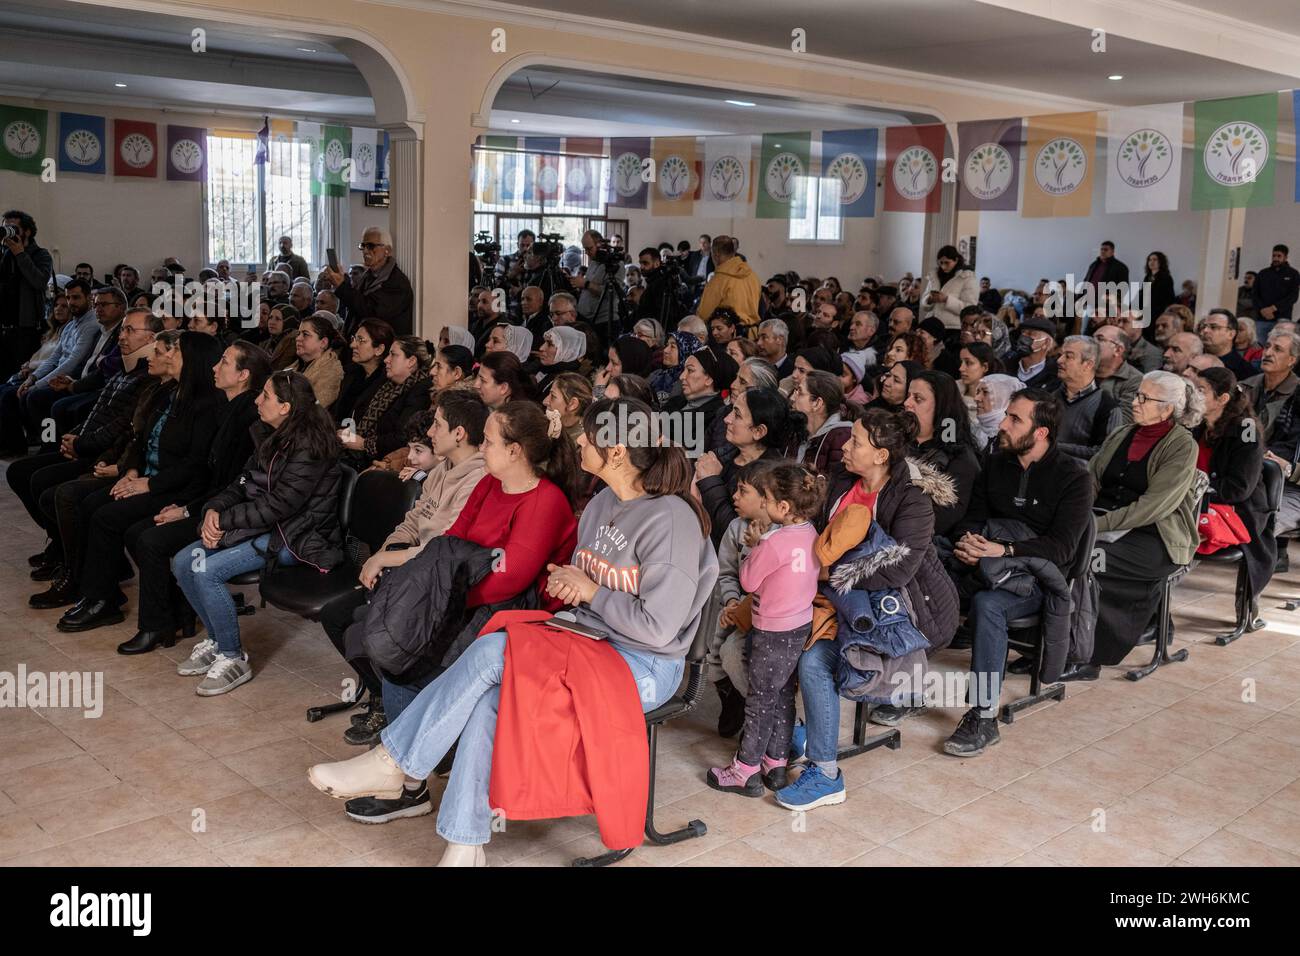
pixel 1216 326
pixel 562 312
pixel 1142 398
pixel 368 246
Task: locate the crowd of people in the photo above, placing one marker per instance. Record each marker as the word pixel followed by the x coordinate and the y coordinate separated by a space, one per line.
pixel 858 480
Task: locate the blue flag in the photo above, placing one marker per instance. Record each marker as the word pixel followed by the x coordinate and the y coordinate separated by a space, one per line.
pixel 849 172
pixel 82 147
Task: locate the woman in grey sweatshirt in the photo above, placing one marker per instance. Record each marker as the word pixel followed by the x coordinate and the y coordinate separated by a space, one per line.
pixel 643 549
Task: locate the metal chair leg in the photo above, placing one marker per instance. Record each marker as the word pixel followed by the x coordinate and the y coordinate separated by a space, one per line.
pixel 1162 655
pixel 1248 619
pixel 323 710
pixel 862 743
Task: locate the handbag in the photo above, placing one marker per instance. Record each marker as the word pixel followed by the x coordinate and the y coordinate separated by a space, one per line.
pixel 1220 527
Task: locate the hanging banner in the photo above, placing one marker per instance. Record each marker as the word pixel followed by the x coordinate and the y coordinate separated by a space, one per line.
pixel 1144 149
pixel 1236 152
pixel 1061 150
pixel 22 138
pixel 82 147
pixel 383 165
pixel 678 177
pixel 913 163
pixel 626 187
pixel 282 148
pixel 495 169
pixel 726 181
pixel 364 159
pixel 784 165
pixel 135 148
pixel 541 172
pixel 848 185
pixel 989 164
pixel 330 153
pixel 1295 107
pixel 187 154
pixel 582 171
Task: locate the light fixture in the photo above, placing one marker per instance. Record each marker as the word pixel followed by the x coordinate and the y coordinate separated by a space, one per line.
pixel 778 145
pixel 741 103
pixel 303 49
pixel 1115 76
pixel 120 86
pixel 514 121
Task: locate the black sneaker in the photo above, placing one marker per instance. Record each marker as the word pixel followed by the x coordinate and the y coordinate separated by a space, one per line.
pixel 887 715
pixel 1022 665
pixel 366 731
pixel 972 735
pixel 412 803
pixel 732 718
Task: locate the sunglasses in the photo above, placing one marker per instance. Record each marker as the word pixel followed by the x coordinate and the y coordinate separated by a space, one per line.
pixel 369 246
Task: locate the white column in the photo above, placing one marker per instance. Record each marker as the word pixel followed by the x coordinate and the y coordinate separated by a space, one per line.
pixel 1224 229
pixel 405 206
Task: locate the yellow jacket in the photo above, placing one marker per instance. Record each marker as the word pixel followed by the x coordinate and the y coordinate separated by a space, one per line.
pixel 733 285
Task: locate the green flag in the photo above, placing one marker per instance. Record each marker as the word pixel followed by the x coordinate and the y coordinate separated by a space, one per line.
pixel 1236 152
pixel 22 139
pixel 782 174
pixel 331 160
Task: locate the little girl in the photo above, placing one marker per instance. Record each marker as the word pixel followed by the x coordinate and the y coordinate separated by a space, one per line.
pixel 780 573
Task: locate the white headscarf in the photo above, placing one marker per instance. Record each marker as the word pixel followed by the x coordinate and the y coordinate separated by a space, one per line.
pixel 1000 388
pixel 459 335
pixel 520 341
pixel 570 344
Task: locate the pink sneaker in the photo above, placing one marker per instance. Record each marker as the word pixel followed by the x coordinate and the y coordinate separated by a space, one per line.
pixel 736 777
pixel 774 773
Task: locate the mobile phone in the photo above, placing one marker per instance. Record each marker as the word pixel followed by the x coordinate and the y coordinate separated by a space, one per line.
pixel 573 627
pixel 332 257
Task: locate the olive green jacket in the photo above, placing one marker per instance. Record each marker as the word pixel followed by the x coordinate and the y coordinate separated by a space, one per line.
pixel 1171 501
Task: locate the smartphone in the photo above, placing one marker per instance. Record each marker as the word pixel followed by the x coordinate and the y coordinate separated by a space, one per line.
pixel 333 258
pixel 573 627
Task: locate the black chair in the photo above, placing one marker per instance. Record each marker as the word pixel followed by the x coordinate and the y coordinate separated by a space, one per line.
pixel 1163 628
pixel 1032 644
pixel 891 738
pixel 1248 620
pixel 680 704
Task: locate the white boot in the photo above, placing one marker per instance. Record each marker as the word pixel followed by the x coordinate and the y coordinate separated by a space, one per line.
pixel 373 774
pixel 463 854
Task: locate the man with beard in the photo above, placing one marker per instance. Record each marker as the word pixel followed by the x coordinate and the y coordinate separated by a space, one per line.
pixel 1028 480
pixel 659 301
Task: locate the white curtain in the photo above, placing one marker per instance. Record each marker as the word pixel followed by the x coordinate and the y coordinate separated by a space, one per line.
pixel 333 231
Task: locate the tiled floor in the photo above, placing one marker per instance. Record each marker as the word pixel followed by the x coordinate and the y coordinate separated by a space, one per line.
pixel 1197 765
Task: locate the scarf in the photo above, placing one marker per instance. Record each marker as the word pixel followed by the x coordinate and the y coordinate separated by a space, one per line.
pixel 459 335
pixel 662 381
pixel 384 399
pixel 570 344
pixel 1146 437
pixel 519 340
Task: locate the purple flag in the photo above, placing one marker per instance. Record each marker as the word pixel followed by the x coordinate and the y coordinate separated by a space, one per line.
pixel 626 187
pixel 187 153
pixel 988 171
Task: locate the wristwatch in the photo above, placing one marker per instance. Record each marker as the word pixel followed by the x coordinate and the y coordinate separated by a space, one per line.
pixel 185 513
pixel 1010 550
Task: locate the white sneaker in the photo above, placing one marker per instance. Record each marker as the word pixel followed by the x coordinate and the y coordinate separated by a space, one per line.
pixel 201 657
pixel 462 854
pixel 225 674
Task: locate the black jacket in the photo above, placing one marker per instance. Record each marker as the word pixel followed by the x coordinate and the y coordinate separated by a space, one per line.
pixel 658 301
pixel 107 364
pixel 961 463
pixel 1085 422
pixel 391 300
pixel 1236 467
pixel 108 426
pixel 1115 271
pixel 716 492
pixel 296 498
pixel 1162 297
pixel 356 389
pixel 1043 379
pixel 183 444
pixel 390 429
pixel 1276 286
pixel 231 445
pixel 28 273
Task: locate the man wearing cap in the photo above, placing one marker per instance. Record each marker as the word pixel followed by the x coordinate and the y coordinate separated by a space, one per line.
pixel 941 360
pixel 1036 369
pixel 381 292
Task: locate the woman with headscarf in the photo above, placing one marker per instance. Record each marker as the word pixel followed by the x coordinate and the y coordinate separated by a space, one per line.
pixel 992 396
pixel 679 347
pixel 505 337
pixel 652 334
pixel 456 335
pixel 562 350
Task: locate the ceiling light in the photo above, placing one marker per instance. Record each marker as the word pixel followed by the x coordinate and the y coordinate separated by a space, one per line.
pixel 514 121
pixel 741 103
pixel 303 49
pixel 1115 76
pixel 120 86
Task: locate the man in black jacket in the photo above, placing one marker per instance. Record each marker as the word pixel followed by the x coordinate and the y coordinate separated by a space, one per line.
pixel 240 374
pixel 80 391
pixel 1274 292
pixel 33 479
pixel 1031 481
pixel 1035 369
pixel 1105 269
pixel 382 292
pixel 25 272
pixel 660 300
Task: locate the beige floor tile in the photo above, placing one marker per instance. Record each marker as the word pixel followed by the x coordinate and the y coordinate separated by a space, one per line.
pixel 277 761
pixel 189 786
pixel 1268 824
pixel 737 853
pixel 885 856
pixel 1010 821
pixel 20 834
pixel 1226 848
pixel 230 819
pixel 1281 727
pixel 933 786
pixel 950 842
pixel 148 842
pixel 1061 794
pixel 1082 846
pixel 1249 779
pixel 299 844
pixel 1146 748
pixel 1216 805
pixel 1145 822
pixel 192 710
pixel 85 814
pixel 1033 859
pixel 804 839
pixel 1113 772
pixel 59 778
pixel 44 745
pixel 726 814
pixel 876 815
pixel 1263 751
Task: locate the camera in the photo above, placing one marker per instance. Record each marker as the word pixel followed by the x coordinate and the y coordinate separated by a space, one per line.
pixel 608 256
pixel 549 246
pixel 485 245
pixel 11 232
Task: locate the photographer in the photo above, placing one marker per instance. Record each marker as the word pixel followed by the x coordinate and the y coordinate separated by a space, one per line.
pixel 25 271
pixel 660 300
pixel 599 301
pixel 508 268
pixel 541 266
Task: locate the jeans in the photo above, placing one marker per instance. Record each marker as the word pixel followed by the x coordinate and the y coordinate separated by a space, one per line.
pixel 205 587
pixel 462 703
pixel 989 612
pixel 821 702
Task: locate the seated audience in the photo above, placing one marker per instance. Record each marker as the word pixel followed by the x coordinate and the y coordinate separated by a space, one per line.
pixel 773 340
pixel 505 337
pixel 317 360
pixel 1037 369
pixel 501 379
pixel 563 349
pixel 893 385
pixel 366 372
pixel 452 367
pixel 944 441
pixel 382 426
pixel 937 357
pixel 282 343
pixel 819 397
pixel 975 360
pixel 1085 408
pixel 1115 376
pixel 906 347
pixel 1218 331
pixel 679 347
pixel 569 397
pixel 1276 381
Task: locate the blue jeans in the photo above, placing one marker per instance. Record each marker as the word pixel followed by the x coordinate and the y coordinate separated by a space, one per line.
pixel 821 703
pixel 202 576
pixel 1263 327
pixel 989 612
pixel 398 697
pixel 462 704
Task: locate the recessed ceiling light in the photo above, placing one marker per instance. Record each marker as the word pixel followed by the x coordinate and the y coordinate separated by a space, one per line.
pixel 514 121
pixel 1115 76
pixel 741 103
pixel 120 86
pixel 303 49
pixel 778 145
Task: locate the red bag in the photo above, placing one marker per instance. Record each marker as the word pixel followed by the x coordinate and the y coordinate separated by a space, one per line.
pixel 1220 527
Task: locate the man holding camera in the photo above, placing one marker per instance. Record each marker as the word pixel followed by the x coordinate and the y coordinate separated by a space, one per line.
pixel 660 300
pixel 597 305
pixel 25 271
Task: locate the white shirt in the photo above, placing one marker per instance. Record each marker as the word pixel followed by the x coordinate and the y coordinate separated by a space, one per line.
pixel 1026 374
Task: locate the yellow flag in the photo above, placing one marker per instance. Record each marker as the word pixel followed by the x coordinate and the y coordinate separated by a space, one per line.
pixel 1060 155
pixel 677 176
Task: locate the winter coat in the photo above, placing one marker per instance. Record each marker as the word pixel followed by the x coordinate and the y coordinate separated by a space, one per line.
pixel 231 445
pixel 296 498
pixel 960 463
pixel 390 299
pixel 905 511
pixel 733 285
pixel 356 390
pixel 879 619
pixel 30 270
pixel 183 444
pixel 1236 469
pixel 716 491
pixel 962 289
pixel 383 424
pixel 108 426
pixel 325 375
pixel 825 448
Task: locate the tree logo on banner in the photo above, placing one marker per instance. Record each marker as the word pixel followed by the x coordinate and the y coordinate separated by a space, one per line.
pixel 548 178
pixel 575 183
pixel 915 173
pixel 136 150
pixel 22 140
pixel 988 171
pixel 187 156
pixel 851 173
pixel 334 157
pixel 1144 158
pixel 726 178
pixel 1060 166
pixel 83 147
pixel 782 176
pixel 365 159
pixel 627 175
pixel 674 177
pixel 1235 153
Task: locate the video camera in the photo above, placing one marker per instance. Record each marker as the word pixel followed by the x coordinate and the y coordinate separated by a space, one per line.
pixel 549 246
pixel 608 256
pixel 487 247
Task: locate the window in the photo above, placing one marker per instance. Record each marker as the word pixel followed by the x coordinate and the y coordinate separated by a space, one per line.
pixel 241 206
pixel 815 213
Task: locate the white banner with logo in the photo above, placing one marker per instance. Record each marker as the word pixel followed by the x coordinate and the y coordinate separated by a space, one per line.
pixel 725 190
pixel 365 157
pixel 1144 149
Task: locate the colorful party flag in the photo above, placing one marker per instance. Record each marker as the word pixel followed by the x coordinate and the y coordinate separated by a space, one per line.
pixel 135 148
pixel 22 138
pixel 848 186
pixel 82 146
pixel 913 165
pixel 1062 151
pixel 783 168
pixel 989 164
pixel 1236 152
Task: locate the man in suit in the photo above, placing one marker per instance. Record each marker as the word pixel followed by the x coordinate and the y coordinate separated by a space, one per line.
pixel 699 264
